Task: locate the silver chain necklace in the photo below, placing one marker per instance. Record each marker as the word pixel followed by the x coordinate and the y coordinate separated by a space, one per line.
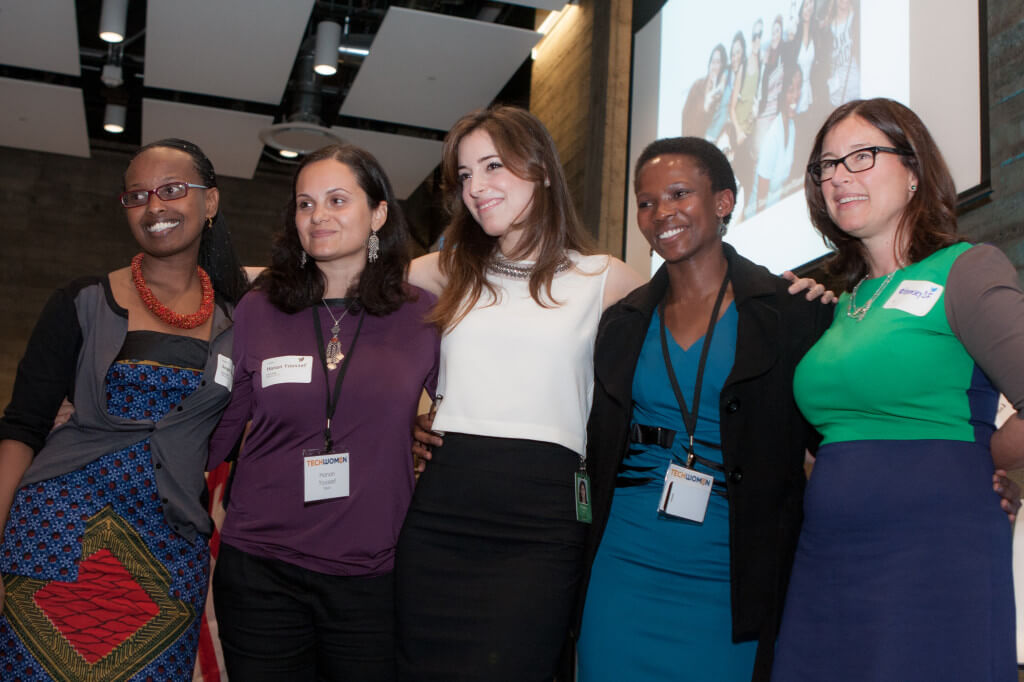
pixel 858 312
pixel 333 353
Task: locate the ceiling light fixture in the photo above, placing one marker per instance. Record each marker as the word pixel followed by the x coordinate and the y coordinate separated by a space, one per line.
pixel 112 20
pixel 328 37
pixel 114 117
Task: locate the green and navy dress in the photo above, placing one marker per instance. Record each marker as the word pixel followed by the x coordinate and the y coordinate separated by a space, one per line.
pixel 903 570
pixel 658 602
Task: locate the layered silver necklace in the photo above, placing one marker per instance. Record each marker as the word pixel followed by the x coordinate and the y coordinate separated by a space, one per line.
pixel 515 270
pixel 333 353
pixel 858 312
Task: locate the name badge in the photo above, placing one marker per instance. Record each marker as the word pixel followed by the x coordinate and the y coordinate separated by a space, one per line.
pixel 325 475
pixel 915 296
pixel 686 493
pixel 581 482
pixel 225 375
pixel 287 369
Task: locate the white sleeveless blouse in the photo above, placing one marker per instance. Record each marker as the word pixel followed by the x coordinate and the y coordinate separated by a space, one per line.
pixel 514 369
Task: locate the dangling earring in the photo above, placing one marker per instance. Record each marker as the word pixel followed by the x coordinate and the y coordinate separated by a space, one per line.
pixel 372 247
pixel 302 259
pixel 209 223
pixel 722 229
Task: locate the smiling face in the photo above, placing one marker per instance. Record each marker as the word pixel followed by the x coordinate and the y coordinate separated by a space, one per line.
pixel 498 199
pixel 677 212
pixel 165 228
pixel 332 213
pixel 866 205
pixel 736 55
pixel 715 65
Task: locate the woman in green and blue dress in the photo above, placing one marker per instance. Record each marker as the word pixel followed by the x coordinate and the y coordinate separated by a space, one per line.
pixel 903 570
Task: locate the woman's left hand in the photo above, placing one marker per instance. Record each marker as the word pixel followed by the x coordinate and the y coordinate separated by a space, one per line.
pixel 1009 491
pixel 812 287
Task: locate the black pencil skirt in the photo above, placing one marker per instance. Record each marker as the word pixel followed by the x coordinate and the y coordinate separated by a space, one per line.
pixel 488 562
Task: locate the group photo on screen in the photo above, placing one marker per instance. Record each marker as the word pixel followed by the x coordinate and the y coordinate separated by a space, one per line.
pixel 768 86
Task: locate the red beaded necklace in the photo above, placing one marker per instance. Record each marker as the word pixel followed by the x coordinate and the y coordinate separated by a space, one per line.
pixel 166 314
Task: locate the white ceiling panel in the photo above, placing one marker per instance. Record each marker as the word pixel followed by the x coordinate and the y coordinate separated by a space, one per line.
pixel 39 34
pixel 229 138
pixel 242 49
pixel 406 160
pixel 43 117
pixel 429 69
pixel 540 4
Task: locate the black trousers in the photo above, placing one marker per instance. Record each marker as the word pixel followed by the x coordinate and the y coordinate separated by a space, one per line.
pixel 279 621
pixel 488 562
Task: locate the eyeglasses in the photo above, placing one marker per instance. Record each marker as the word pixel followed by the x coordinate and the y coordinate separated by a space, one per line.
pixel 169 192
pixel 857 161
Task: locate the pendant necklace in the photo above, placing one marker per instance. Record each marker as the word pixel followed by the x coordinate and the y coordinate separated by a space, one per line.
pixel 333 353
pixel 858 312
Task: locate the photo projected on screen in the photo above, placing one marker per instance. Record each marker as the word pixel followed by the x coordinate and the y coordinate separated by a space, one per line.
pixel 759 77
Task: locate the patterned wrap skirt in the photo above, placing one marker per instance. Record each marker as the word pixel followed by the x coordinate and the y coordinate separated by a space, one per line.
pixel 98 585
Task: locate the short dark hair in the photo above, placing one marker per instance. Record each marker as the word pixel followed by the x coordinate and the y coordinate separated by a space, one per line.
pixel 929 218
pixel 709 158
pixel 216 251
pixel 381 287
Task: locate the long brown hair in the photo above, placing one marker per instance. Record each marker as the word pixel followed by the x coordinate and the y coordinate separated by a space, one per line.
pixel 549 228
pixel 929 218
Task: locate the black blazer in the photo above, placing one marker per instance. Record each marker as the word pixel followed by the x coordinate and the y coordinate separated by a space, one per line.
pixel 763 435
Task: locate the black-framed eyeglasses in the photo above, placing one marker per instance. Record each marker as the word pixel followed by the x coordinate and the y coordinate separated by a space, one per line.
pixel 169 192
pixel 857 161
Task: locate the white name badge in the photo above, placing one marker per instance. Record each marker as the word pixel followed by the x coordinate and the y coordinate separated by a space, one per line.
pixel 225 375
pixel 287 369
pixel 686 493
pixel 325 475
pixel 915 296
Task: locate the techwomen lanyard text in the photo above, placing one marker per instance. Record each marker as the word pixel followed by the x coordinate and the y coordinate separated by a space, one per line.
pixel 686 490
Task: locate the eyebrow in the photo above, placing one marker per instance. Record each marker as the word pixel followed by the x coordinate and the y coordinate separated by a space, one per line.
pixel 482 159
pixel 855 147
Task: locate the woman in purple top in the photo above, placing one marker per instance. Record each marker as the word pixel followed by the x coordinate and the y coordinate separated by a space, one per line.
pixel 332 352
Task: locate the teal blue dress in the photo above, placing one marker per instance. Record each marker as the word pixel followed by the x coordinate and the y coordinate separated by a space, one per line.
pixel 658 603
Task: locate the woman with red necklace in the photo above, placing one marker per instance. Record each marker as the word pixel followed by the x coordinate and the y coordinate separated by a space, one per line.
pixel 103 534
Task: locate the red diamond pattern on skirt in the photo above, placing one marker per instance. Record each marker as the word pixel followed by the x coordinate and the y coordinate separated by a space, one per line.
pixel 99 611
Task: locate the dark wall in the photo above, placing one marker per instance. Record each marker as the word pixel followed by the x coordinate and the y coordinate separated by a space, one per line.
pixel 1001 221
pixel 59 219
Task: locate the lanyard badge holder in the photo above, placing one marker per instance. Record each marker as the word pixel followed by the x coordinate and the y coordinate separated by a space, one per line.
pixel 686 491
pixel 581 486
pixel 325 471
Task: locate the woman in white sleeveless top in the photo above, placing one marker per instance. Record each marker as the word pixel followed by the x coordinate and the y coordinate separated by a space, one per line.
pixel 489 558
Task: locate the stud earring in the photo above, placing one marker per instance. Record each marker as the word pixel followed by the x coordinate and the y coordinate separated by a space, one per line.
pixel 913 188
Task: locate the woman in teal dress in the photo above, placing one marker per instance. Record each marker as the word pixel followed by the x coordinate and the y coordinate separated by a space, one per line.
pixel 672 597
pixel 903 570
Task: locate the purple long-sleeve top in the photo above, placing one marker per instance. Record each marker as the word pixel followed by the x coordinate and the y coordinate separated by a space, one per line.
pixel 396 356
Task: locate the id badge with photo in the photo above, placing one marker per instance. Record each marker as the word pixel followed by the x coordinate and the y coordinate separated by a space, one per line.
pixel 686 493
pixel 326 475
pixel 581 484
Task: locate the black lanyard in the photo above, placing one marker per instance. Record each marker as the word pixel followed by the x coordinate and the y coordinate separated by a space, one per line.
pixel 332 400
pixel 690 418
